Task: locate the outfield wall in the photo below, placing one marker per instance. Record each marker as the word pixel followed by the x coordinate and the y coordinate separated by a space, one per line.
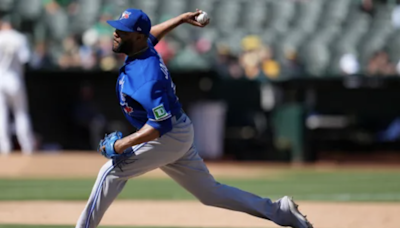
pixel 267 122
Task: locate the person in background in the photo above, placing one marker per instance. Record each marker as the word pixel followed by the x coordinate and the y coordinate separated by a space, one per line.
pixel 14 54
pixel 380 65
pixel 257 60
pixel 368 7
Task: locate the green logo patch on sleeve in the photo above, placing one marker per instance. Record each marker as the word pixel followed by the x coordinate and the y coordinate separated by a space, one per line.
pixel 159 112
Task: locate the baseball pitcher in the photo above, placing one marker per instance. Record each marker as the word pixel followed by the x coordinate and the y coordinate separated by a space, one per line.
pixel 14 53
pixel 164 138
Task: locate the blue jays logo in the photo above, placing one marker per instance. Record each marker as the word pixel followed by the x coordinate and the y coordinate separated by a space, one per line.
pixel 125 15
pixel 128 109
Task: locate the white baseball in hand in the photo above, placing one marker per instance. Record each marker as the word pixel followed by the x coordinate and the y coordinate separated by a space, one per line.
pixel 202 18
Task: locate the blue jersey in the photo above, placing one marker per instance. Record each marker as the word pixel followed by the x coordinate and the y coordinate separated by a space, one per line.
pixel 146 92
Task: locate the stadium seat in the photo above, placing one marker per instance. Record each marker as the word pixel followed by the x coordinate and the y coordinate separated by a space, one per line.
pixel 184 60
pixel 331 27
pixel 290 42
pixel 393 46
pixel 328 34
pixel 222 19
pixel 334 12
pixel 368 47
pixel 315 56
pixel 307 15
pixel 6 5
pixel 343 46
pixel 281 14
pixel 208 6
pixel 254 15
pixel 87 16
pixel 148 6
pixel 171 8
pixel 31 11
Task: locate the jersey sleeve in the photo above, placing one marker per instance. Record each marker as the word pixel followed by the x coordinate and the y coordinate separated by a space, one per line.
pixel 153 98
pixel 153 40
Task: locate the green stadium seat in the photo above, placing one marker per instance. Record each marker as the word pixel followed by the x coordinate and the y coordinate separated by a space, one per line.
pixel 254 15
pixel 307 15
pixel 6 5
pixel 315 56
pixel 31 11
pixel 171 8
pixel 87 16
pixel 393 46
pixel 184 60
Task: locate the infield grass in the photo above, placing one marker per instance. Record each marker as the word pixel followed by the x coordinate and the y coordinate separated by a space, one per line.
pixel 307 185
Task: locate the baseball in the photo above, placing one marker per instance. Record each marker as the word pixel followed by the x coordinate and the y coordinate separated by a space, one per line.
pixel 202 18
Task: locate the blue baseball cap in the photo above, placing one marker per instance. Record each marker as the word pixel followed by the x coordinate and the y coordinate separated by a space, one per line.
pixel 132 20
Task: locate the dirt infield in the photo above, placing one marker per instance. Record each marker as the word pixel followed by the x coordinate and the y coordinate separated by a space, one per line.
pixel 170 213
pixel 86 165
pixel 193 214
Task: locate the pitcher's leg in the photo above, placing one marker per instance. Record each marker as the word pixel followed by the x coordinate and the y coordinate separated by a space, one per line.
pixel 192 174
pixel 114 174
pixel 104 192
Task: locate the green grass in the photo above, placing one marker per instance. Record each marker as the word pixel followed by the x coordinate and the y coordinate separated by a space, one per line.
pixel 303 185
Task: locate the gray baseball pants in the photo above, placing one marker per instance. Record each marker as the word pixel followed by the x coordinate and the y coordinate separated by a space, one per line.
pixel 174 154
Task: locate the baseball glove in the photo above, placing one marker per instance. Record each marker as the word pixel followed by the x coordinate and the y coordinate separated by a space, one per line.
pixel 106 145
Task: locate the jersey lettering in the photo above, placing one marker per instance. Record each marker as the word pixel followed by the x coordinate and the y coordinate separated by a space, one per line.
pixel 121 95
pixel 164 70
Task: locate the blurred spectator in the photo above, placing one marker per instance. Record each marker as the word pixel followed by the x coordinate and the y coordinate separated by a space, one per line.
pixel 256 60
pixel 396 15
pixel 398 68
pixel 70 57
pixel 57 17
pixel 368 7
pixel 291 66
pixel 190 57
pixel 105 55
pixel 77 36
pixel 165 49
pixel 379 65
pixel 100 30
pixel 87 57
pixel 40 57
pixel 270 67
pixel 349 64
pixel 227 64
pixel 250 59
